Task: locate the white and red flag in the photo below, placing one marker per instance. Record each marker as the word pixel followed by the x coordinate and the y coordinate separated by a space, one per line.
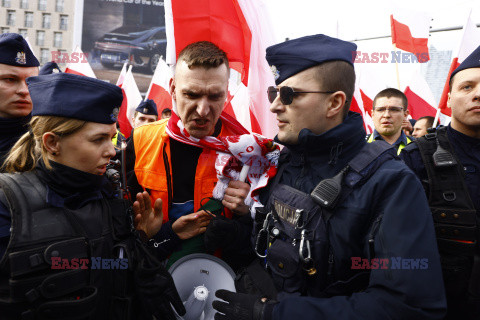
pixel 420 98
pixel 158 90
pixel 80 67
pixel 410 31
pixel 469 41
pixel 230 25
pixel 121 77
pixel 131 100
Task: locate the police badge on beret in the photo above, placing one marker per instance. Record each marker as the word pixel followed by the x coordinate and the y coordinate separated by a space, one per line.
pixel 114 115
pixel 276 73
pixel 21 58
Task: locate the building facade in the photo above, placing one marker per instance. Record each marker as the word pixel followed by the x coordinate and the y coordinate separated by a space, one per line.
pixel 47 24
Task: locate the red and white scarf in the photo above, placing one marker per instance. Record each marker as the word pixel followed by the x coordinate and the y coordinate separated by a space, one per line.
pixel 177 131
pixel 233 152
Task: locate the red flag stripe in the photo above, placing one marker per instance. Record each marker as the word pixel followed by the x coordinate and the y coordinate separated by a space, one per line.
pixel 217 21
pixel 443 99
pixel 68 70
pixel 403 39
pixel 162 98
pixel 417 106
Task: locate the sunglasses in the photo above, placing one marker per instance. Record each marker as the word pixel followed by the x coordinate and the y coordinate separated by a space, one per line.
pixel 287 94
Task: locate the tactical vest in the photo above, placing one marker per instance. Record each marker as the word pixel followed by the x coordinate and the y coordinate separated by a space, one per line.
pixel 43 237
pixel 299 253
pixel 452 209
pixel 454 216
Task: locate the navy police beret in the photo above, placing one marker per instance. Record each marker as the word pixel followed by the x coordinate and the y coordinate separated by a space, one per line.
pixel 291 57
pixel 48 68
pixel 472 61
pixel 148 107
pixel 73 96
pixel 14 51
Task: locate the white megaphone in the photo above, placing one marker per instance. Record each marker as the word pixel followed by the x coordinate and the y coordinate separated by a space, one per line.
pixel 197 276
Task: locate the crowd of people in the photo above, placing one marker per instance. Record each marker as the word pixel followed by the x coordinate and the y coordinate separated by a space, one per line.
pixel 349 226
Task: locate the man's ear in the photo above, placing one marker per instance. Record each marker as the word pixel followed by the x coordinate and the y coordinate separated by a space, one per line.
pixel 172 89
pixel 51 143
pixel 448 101
pixel 337 103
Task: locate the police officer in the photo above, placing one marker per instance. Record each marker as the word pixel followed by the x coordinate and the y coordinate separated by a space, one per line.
pixel 146 112
pixel 49 68
pixel 390 111
pixel 71 251
pixel 345 226
pixel 447 161
pixel 17 63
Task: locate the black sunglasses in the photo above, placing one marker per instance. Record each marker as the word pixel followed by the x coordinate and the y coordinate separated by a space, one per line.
pixel 287 94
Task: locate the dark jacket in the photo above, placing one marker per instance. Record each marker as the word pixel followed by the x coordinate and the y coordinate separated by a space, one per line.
pixel 394 198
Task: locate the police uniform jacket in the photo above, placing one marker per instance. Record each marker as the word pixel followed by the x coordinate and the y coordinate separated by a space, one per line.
pixel 391 205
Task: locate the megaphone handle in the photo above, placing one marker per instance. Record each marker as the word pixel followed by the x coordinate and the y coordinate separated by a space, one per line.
pixel 244 173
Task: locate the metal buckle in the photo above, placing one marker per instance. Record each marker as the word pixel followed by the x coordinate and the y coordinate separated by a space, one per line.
pixel 263 236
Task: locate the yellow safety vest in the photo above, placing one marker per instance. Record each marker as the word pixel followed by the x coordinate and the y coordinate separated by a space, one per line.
pixel 400 146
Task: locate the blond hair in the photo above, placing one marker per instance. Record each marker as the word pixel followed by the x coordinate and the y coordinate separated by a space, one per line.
pixel 29 148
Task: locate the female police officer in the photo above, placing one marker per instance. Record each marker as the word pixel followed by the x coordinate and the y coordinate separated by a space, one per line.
pixel 71 252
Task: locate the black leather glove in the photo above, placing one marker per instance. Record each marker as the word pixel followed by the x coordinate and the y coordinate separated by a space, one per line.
pixel 156 290
pixel 240 306
pixel 221 232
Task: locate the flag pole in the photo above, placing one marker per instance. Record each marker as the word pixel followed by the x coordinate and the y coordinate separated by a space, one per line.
pixel 396 66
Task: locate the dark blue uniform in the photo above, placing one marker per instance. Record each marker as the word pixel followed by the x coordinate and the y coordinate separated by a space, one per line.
pixel 394 198
pixel 466 148
pixel 462 286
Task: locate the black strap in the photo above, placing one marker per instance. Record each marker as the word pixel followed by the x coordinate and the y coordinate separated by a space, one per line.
pixel 23 262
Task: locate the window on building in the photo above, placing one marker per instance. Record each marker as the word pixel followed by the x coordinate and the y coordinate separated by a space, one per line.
pixel 57 39
pixel 40 38
pixel 5 30
pixel 10 17
pixel 46 18
pixel 44 56
pixel 6 3
pixel 63 22
pixel 23 4
pixel 42 5
pixel 23 32
pixel 28 19
pixel 59 6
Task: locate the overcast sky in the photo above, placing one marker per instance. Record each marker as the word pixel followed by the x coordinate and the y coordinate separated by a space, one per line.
pixel 356 19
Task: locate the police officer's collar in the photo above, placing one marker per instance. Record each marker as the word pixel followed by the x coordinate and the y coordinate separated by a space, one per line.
pixel 69 187
pixel 458 135
pixel 349 130
pixel 401 139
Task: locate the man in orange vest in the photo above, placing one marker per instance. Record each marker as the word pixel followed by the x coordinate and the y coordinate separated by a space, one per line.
pixel 174 159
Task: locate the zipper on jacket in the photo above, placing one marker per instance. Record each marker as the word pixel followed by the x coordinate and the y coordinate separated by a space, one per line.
pixel 169 177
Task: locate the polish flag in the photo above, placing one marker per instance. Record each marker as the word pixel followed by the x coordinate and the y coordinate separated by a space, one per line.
pixel 229 25
pixel 410 31
pixel 131 100
pixel 470 40
pixel 420 98
pixel 121 77
pixel 158 90
pixel 82 67
pixel 361 103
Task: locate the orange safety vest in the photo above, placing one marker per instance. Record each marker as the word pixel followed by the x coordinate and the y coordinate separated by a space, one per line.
pixel 152 152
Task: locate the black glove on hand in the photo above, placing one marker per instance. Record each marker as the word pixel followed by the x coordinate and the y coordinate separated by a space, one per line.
pixel 241 306
pixel 157 290
pixel 220 233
